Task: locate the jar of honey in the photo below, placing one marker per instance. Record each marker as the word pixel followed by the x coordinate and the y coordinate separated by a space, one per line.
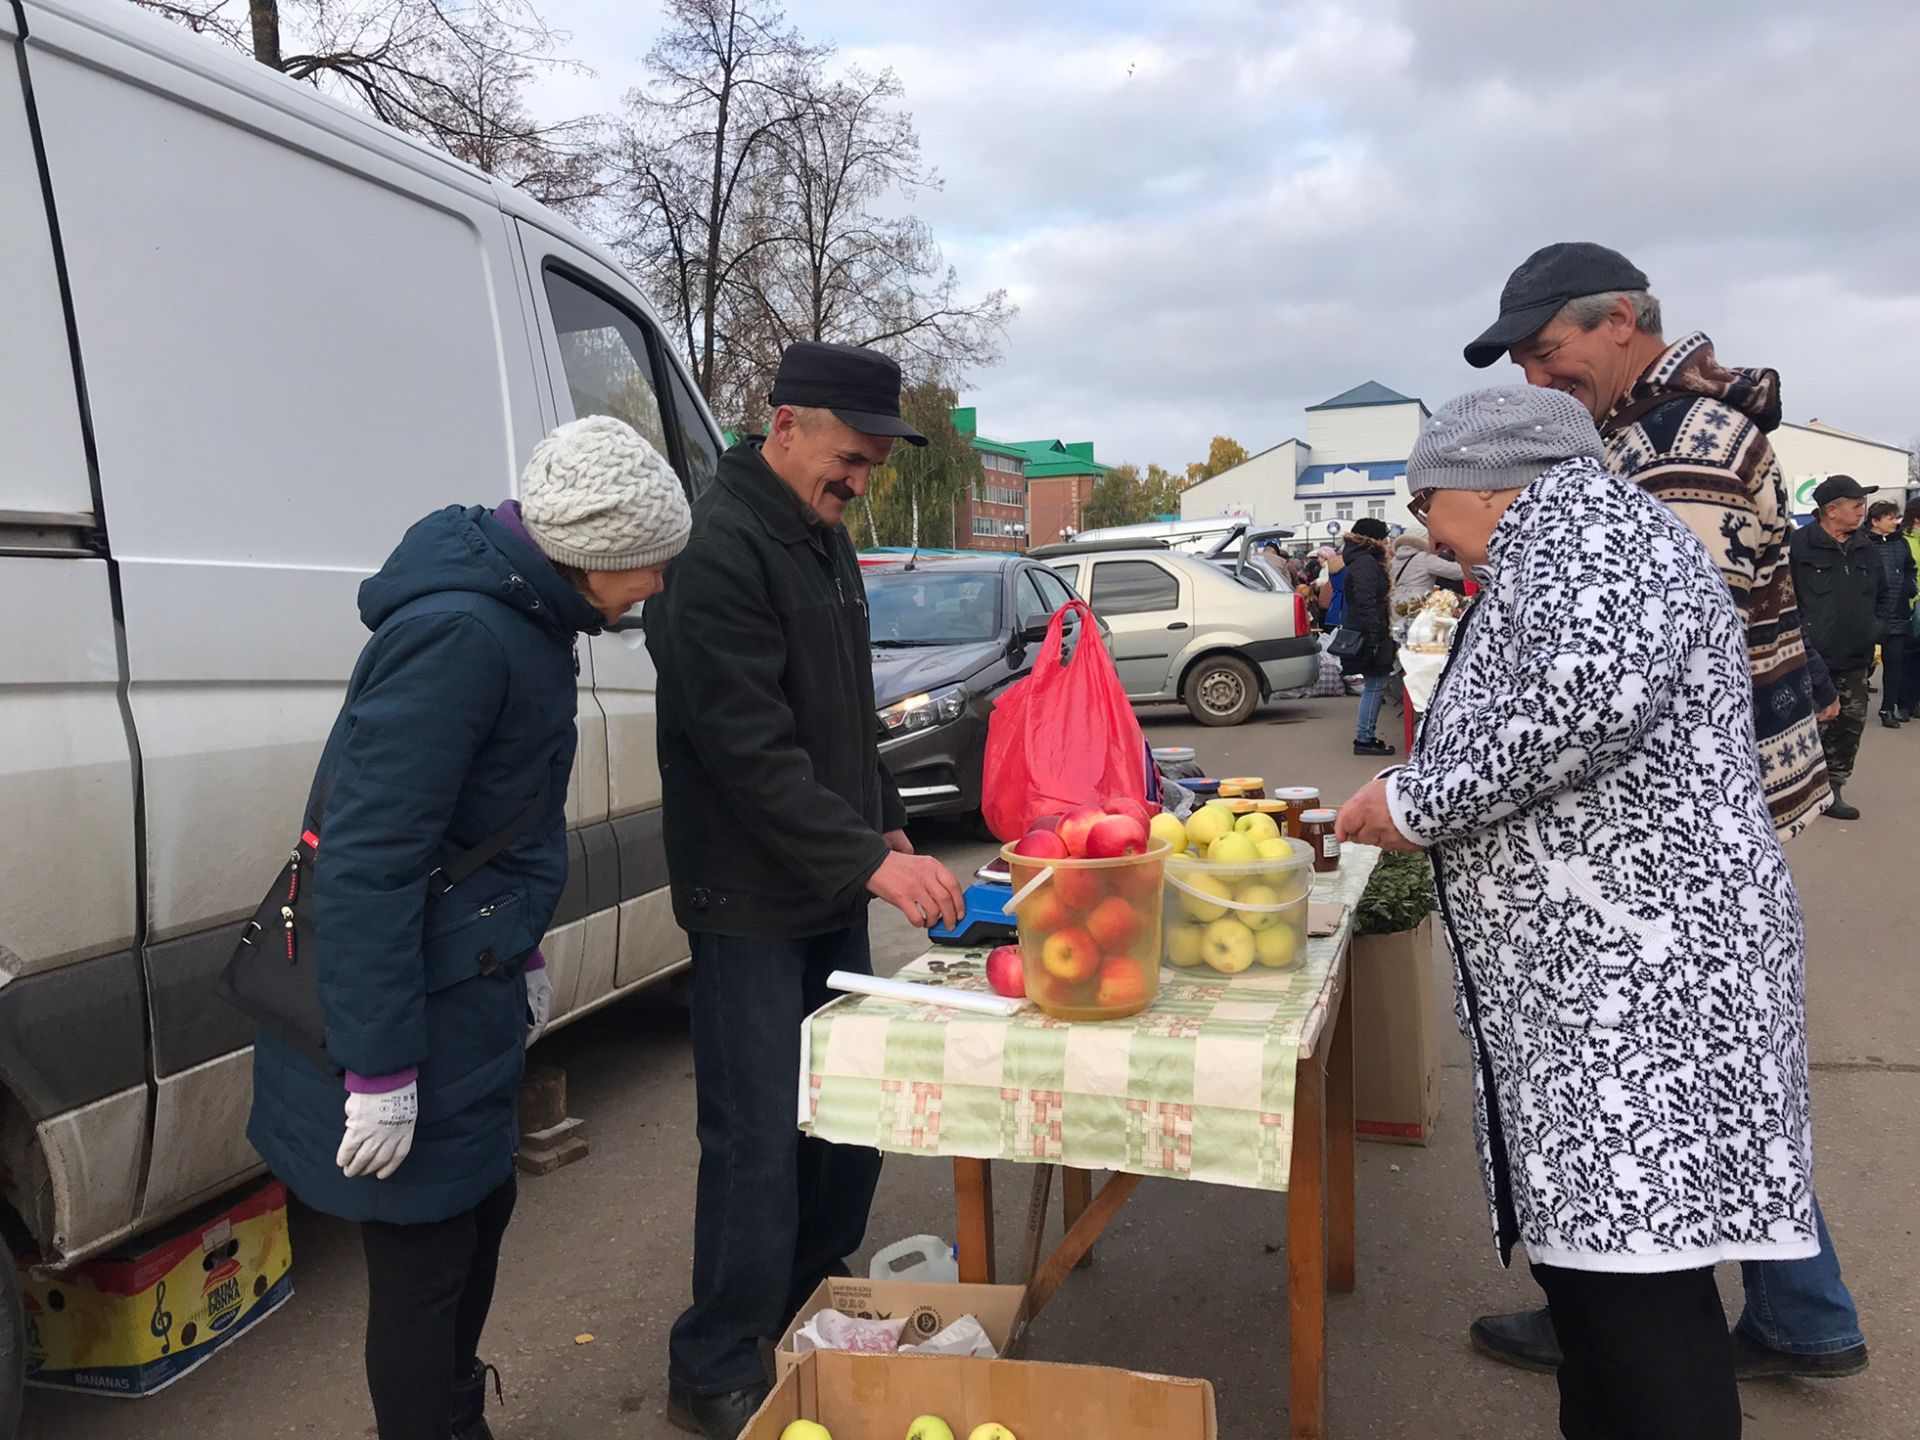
pixel 1244 787
pixel 1316 828
pixel 1299 799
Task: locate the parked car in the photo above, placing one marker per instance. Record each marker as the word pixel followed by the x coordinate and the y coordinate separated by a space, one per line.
pixel 949 635
pixel 1186 629
pixel 251 336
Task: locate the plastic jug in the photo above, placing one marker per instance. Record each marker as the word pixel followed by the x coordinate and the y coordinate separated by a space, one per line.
pixel 918 1257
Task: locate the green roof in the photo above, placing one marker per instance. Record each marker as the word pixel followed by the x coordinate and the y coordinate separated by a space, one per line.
pixel 1051 459
pixel 1371 392
pixel 966 420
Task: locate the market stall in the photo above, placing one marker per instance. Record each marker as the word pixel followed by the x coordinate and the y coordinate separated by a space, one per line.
pixel 1245 1082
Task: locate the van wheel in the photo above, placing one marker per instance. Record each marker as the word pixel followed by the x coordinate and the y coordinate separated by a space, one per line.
pixel 1222 690
pixel 13 1349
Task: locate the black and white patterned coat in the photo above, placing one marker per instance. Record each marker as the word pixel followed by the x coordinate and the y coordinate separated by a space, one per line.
pixel 1626 937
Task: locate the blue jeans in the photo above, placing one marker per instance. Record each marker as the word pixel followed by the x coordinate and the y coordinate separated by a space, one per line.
pixel 775 1212
pixel 1801 1306
pixel 1371 695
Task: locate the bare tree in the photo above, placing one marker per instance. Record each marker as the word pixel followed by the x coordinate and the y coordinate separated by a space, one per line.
pixel 452 72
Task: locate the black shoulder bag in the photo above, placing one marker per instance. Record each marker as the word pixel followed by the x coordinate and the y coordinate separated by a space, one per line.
pixel 273 977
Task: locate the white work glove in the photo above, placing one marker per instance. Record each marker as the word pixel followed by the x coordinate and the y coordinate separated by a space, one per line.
pixel 379 1132
pixel 539 1003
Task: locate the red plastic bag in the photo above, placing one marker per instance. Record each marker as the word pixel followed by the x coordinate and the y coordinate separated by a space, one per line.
pixel 1063 737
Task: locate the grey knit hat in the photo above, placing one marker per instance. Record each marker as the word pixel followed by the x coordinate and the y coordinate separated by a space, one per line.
pixel 1500 439
pixel 597 496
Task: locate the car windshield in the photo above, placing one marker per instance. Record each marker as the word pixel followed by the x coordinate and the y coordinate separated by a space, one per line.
pixel 925 607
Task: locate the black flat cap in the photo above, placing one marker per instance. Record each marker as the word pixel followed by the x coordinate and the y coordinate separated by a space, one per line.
pixel 1841 487
pixel 861 387
pixel 1545 281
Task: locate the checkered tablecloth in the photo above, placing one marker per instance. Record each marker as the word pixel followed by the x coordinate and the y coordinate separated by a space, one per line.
pixel 1199 1086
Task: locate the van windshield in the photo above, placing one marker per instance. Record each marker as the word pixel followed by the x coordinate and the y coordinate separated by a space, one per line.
pixel 919 607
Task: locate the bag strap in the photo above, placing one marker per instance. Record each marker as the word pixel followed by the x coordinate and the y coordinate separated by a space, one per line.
pixel 467 862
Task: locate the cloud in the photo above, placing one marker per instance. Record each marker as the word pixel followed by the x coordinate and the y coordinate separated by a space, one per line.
pixel 1215 214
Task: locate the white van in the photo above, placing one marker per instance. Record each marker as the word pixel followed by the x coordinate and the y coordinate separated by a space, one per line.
pixel 249 336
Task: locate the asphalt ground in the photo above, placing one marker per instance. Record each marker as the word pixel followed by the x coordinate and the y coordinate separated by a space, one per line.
pixel 1191 1279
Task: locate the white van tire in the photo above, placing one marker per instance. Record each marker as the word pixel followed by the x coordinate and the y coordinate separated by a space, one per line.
pixel 1222 690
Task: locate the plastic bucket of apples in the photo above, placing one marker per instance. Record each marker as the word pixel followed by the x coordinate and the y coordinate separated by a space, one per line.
pixel 1236 895
pixel 1090 930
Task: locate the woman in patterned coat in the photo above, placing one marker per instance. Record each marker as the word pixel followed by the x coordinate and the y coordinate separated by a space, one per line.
pixel 1626 937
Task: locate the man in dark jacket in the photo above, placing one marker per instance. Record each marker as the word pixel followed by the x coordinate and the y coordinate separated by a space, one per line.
pixel 780 824
pixel 1369 611
pixel 1893 610
pixel 1838 581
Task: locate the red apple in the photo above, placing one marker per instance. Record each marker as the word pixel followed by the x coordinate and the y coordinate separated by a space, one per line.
pixel 1123 984
pixel 1138 882
pixel 1070 954
pixel 1080 889
pixel 1046 822
pixel 1137 809
pixel 1041 845
pixel 1114 924
pixel 1116 835
pixel 1007 973
pixel 1044 912
pixel 1076 826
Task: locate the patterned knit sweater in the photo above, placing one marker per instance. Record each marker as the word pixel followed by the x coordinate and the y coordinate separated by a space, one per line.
pixel 1694 433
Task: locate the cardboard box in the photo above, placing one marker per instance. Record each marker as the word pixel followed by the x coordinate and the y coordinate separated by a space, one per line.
pixel 875 1397
pixel 1396 1036
pixel 140 1318
pixel 928 1308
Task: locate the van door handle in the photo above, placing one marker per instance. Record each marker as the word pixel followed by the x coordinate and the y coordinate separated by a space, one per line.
pixel 1178 625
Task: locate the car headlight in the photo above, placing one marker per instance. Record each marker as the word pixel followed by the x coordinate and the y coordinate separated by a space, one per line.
pixel 924 711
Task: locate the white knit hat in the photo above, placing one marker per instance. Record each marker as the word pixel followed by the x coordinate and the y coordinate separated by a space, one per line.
pixel 597 496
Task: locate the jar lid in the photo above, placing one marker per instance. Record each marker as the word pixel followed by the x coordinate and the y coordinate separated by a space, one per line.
pixel 1319 817
pixel 1270 807
pixel 1173 752
pixel 1247 782
pixel 1298 792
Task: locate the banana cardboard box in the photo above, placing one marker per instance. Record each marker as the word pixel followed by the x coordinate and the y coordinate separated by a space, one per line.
pixel 135 1321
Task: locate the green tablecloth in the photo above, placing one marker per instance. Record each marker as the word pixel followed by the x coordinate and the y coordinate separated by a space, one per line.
pixel 1199 1086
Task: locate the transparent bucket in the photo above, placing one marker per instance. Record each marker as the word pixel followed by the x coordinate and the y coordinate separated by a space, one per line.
pixel 1237 918
pixel 1090 932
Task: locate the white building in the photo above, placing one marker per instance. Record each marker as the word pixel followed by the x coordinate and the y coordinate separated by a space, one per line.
pixel 1353 463
pixel 1810 453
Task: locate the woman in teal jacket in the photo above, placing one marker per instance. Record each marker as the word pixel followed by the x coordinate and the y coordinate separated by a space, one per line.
pixel 458 724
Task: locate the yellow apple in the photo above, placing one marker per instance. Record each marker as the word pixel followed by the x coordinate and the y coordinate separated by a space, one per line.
pixel 929 1427
pixel 1228 946
pixel 1257 827
pixel 1232 849
pixel 1167 826
pixel 805 1430
pixel 1257 894
pixel 1206 825
pixel 990 1431
pixel 1205 909
pixel 1274 947
pixel 1274 849
pixel 1183 945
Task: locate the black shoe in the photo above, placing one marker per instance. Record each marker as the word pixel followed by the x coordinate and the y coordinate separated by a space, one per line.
pixel 1372 747
pixel 1902 714
pixel 470 1403
pixel 1754 1361
pixel 716 1417
pixel 1525 1341
pixel 1889 719
pixel 1840 809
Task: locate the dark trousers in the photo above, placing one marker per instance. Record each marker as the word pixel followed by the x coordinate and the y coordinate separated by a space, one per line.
pixel 429 1288
pixel 1893 662
pixel 775 1212
pixel 1841 735
pixel 1645 1357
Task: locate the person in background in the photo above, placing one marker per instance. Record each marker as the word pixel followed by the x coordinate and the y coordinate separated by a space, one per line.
pixel 1417 572
pixel 1839 580
pixel 781 824
pixel 1363 552
pixel 458 725
pixel 1626 938
pixel 1331 591
pixel 1579 318
pixel 1308 589
pixel 1910 686
pixel 1893 607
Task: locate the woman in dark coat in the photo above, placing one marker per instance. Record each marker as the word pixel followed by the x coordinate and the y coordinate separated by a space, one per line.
pixel 458 725
pixel 1369 610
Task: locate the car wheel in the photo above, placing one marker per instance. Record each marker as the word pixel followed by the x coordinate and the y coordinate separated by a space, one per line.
pixel 13 1349
pixel 1222 690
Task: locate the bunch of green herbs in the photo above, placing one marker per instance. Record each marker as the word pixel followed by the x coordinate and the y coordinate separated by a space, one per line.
pixel 1398 896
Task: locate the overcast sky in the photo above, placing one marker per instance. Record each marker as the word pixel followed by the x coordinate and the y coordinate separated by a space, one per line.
pixel 1215 214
